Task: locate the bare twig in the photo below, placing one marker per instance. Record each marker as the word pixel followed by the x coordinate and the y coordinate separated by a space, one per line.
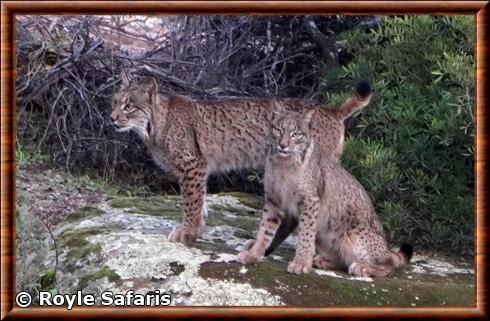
pixel 68 67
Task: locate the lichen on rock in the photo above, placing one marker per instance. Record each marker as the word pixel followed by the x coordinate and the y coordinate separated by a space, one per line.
pixel 124 247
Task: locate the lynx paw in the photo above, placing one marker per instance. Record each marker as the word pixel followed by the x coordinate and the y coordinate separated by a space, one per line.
pixel 245 257
pixel 298 267
pixel 185 234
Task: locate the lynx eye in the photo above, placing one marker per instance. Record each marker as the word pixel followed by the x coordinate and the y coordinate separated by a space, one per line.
pixel 296 135
pixel 276 131
pixel 129 109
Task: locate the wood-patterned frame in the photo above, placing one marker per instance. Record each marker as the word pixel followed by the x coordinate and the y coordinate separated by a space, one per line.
pixel 9 9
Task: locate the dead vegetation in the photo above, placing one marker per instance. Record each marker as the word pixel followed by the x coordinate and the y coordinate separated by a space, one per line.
pixel 68 69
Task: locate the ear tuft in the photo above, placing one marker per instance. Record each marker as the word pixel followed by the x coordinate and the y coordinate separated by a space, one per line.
pixel 278 108
pixel 308 115
pixel 150 86
pixel 125 78
pixel 278 111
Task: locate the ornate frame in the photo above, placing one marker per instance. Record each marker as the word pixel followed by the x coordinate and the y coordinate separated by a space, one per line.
pixel 480 9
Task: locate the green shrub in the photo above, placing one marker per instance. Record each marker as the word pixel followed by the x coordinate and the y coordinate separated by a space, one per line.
pixel 413 147
pixel 26 155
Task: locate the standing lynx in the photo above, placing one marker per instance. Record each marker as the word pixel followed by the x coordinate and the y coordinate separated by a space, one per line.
pixel 194 139
pixel 333 209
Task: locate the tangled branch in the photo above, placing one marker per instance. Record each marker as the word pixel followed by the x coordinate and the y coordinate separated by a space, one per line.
pixel 68 67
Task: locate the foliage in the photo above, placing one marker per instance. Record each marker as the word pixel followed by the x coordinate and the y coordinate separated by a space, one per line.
pixel 413 148
pixel 25 155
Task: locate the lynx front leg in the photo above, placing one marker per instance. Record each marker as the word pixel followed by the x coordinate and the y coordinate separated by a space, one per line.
pixel 193 190
pixel 271 219
pixel 302 262
pixel 287 226
pixel 285 229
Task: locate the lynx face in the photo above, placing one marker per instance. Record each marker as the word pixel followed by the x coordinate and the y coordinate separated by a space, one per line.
pixel 131 107
pixel 289 133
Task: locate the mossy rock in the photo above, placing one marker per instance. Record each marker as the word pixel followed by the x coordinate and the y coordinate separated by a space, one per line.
pixel 229 223
pixel 246 224
pixel 241 221
pixel 244 234
pixel 217 246
pixel 240 211
pixel 319 290
pixel 253 201
pixel 111 275
pixel 75 238
pixel 47 279
pixel 216 218
pixel 162 206
pixel 77 246
pixel 169 206
pixel 85 213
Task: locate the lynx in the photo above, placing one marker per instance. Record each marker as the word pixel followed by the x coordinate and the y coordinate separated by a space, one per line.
pixel 333 209
pixel 195 138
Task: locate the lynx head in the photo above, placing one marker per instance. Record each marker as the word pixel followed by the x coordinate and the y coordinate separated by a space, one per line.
pixel 132 106
pixel 290 133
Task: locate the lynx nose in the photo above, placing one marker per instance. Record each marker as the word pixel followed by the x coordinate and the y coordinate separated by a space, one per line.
pixel 114 117
pixel 282 146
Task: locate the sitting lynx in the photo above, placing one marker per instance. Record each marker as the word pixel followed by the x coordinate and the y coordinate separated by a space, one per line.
pixel 333 209
pixel 194 139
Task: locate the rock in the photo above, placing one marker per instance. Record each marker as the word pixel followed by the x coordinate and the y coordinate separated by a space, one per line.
pixel 120 244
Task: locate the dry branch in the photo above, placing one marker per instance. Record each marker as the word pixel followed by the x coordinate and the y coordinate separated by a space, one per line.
pixel 68 67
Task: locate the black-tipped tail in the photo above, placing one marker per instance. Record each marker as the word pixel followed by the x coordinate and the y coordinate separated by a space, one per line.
pixel 363 89
pixel 407 250
pixel 360 100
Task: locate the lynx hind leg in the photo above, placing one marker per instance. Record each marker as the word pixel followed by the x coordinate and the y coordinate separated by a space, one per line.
pixel 193 190
pixel 270 222
pixel 367 254
pixel 385 261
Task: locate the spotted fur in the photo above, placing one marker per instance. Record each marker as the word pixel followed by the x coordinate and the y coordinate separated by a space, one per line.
pixel 195 138
pixel 334 212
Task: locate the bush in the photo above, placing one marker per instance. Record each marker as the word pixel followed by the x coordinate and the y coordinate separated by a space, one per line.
pixel 413 147
pixel 68 70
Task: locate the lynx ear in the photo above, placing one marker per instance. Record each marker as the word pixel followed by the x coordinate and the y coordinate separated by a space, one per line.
pixel 277 111
pixel 308 115
pixel 124 78
pixel 150 87
pixel 279 108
